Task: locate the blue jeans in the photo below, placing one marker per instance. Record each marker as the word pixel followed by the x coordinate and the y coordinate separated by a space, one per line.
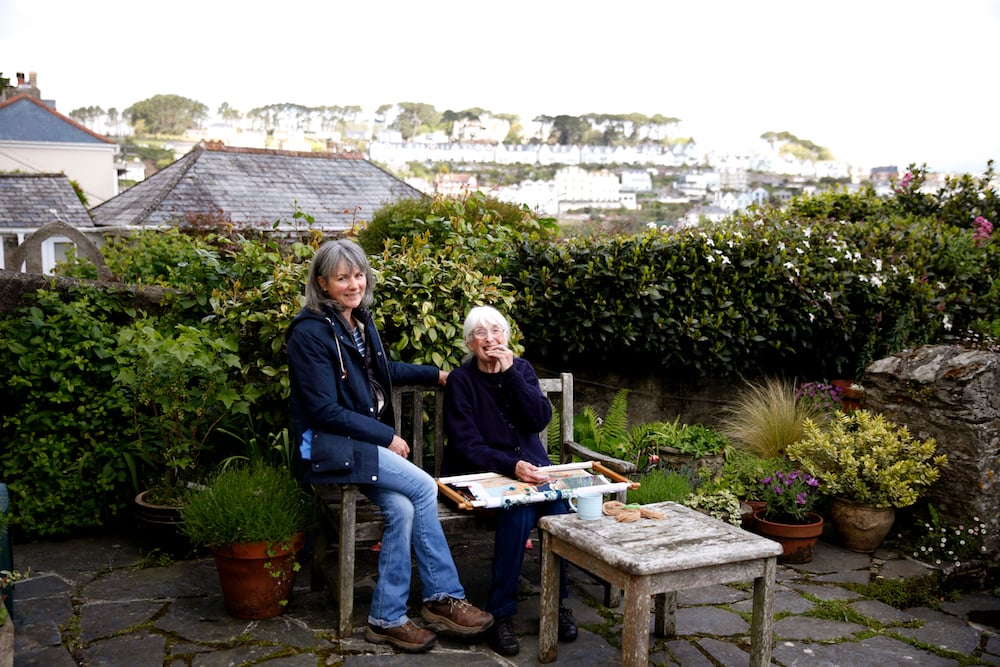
pixel 513 529
pixel 407 497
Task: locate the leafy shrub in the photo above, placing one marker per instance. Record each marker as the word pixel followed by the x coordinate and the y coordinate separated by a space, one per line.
pixel 484 226
pixel 182 385
pixel 422 296
pixel 868 460
pixel 64 438
pixel 720 504
pixel 741 474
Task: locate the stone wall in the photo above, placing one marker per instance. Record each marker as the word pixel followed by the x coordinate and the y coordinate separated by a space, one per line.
pixel 14 285
pixel 953 395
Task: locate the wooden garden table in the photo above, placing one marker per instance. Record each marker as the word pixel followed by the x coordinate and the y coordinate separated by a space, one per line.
pixel 686 549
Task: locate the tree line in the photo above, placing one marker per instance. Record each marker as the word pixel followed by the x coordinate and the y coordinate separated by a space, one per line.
pixel 173 115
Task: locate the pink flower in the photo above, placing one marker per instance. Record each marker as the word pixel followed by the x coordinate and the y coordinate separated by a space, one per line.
pixel 904 182
pixel 983 230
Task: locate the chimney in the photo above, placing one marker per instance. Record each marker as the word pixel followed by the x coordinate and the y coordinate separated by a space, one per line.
pixel 33 79
pixel 20 79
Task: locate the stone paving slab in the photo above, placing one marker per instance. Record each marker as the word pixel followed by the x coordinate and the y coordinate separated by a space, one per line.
pixel 90 593
pixel 880 651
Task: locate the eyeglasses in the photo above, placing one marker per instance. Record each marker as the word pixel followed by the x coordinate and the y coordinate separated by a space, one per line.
pixel 481 334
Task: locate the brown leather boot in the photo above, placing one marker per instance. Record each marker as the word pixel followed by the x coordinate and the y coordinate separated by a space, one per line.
pixel 408 637
pixel 456 616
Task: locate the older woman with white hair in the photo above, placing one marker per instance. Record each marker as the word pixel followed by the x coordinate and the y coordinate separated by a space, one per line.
pixel 494 410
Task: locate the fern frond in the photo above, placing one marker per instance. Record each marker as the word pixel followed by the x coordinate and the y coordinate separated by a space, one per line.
pixel 615 426
pixel 553 436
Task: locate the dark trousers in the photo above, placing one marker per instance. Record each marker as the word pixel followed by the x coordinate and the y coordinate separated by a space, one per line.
pixel 513 529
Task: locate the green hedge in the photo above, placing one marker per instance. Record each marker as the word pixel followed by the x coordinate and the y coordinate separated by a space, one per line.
pixel 767 290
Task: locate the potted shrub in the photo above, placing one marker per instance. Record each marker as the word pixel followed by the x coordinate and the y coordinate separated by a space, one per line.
pixel 253 518
pixel 870 467
pixel 789 517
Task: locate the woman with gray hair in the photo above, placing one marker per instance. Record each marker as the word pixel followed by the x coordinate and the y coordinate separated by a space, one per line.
pixel 341 383
pixel 494 409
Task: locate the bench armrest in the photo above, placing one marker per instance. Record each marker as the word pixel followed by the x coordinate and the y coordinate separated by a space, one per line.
pixel 619 466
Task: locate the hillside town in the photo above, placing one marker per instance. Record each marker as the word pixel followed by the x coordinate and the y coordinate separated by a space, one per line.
pixel 88 172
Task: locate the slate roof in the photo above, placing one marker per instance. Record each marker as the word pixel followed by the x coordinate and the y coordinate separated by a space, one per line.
pixel 25 118
pixel 27 201
pixel 257 186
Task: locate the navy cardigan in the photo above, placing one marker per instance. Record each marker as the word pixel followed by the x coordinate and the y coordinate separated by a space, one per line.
pixel 493 419
pixel 328 396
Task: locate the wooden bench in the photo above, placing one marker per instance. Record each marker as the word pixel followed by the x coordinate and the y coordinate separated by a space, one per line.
pixel 345 517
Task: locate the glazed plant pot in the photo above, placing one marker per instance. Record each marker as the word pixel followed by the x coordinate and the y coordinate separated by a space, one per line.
pixel 862 528
pixel 798 541
pixel 161 528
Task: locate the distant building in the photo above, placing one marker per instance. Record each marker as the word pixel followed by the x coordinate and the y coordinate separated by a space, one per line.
pixel 455 185
pixel 636 180
pixel 257 188
pixel 31 201
pixel 884 175
pixel 37 139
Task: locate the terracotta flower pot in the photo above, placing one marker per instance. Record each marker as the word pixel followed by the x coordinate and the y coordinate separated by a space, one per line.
pixel 862 528
pixel 255 583
pixel 851 398
pixel 749 522
pixel 797 540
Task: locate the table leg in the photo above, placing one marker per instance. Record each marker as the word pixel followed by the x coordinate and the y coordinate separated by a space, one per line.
pixel 548 603
pixel 666 614
pixel 635 629
pixel 763 610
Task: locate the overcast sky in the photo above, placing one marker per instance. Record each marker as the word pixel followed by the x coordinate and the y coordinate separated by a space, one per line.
pixel 877 82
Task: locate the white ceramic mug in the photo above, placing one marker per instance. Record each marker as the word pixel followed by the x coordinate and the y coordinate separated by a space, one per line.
pixel 588 504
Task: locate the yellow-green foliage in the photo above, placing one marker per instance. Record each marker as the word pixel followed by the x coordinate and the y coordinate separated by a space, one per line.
pixel 864 458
